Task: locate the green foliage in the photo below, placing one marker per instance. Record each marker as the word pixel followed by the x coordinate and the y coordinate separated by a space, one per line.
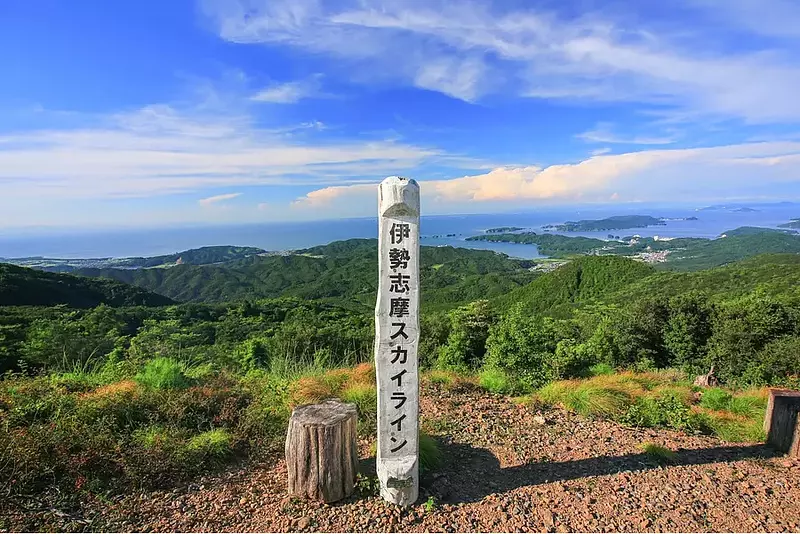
pixel 524 346
pixel 21 286
pixel 430 505
pixel 580 281
pixel 215 443
pixel 364 396
pixel 601 369
pixel 777 364
pixel 589 398
pixel 466 342
pixel 367 486
pixel 340 270
pixel 656 411
pixel 658 453
pixel 715 399
pixel 162 373
pixel 430 456
pixel 496 381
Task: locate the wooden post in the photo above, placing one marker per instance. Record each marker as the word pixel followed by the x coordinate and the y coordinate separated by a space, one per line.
pixel 321 451
pixel 397 339
pixel 782 423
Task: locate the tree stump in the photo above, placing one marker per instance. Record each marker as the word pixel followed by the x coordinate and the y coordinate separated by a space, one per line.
pixel 708 380
pixel 321 451
pixel 782 423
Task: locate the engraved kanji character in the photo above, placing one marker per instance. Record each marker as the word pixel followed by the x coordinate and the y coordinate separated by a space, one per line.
pixel 398 307
pixel 399 283
pixel 399 257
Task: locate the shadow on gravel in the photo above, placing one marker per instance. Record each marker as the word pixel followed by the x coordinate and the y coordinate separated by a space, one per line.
pixel 473 473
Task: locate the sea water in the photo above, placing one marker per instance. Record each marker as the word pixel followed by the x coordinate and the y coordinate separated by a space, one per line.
pixel 442 230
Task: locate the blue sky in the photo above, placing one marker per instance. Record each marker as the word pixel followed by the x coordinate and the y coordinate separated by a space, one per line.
pixel 147 113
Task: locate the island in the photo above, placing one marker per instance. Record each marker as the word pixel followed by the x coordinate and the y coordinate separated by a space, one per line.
pixel 617 222
pixel 504 229
pixel 734 209
pixel 793 224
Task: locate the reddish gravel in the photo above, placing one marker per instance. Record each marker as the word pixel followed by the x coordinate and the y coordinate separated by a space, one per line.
pixel 503 471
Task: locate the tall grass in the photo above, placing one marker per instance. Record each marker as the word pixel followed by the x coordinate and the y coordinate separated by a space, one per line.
pixel 661 399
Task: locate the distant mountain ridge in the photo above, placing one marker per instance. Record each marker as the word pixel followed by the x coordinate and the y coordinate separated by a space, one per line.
pixel 197 256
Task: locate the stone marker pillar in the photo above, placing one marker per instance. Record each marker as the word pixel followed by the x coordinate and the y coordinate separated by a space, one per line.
pixel 396 340
pixel 782 421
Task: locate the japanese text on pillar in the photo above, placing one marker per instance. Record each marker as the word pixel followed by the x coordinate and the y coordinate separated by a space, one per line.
pixel 400 301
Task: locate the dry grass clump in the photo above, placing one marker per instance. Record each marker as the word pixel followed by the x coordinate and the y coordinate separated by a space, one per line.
pixel 356 384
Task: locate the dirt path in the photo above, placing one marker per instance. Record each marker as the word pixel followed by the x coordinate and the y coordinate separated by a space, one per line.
pixel 503 471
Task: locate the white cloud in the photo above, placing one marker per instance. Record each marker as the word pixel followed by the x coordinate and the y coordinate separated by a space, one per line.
pixel 289 92
pixel 602 134
pixel 162 150
pixel 216 199
pixel 468 50
pixel 651 175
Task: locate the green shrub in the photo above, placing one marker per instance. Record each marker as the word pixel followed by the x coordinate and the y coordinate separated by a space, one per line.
pixel 443 378
pixel 496 381
pixel 595 397
pixel 200 372
pixel 163 373
pixel 215 443
pixel 733 428
pixel 364 396
pixel 159 437
pixel 430 456
pixel 601 369
pixel 665 410
pixel 658 453
pixel 715 399
pixel 748 405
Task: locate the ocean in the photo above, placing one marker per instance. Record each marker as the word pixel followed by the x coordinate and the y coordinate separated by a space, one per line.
pixel 435 231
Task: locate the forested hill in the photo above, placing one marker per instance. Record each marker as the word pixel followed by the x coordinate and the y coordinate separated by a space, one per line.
pixel 582 280
pixel 21 286
pixel 342 271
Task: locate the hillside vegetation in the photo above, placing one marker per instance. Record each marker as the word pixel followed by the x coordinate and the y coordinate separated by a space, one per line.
pixel 686 254
pixel 105 390
pixel 341 271
pixel 21 286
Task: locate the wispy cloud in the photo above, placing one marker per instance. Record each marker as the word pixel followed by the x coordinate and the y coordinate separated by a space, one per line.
pixel 217 199
pixel 602 134
pixel 468 50
pixel 162 149
pixel 289 92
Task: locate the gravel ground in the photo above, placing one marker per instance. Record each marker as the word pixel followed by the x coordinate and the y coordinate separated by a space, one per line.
pixel 506 468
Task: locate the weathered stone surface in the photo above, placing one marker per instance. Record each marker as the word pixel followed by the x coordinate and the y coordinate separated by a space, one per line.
pixel 321 451
pixel 782 421
pixel 397 339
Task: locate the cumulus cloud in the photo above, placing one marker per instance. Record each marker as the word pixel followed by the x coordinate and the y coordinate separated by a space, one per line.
pixel 217 199
pixel 469 50
pixel 654 175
